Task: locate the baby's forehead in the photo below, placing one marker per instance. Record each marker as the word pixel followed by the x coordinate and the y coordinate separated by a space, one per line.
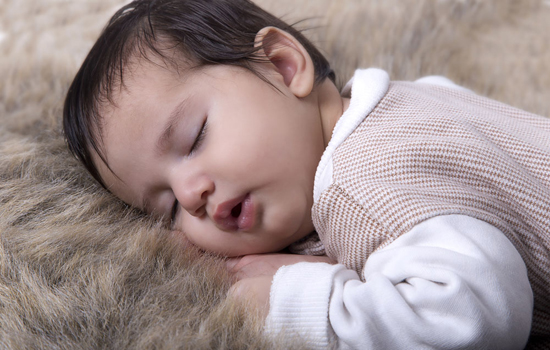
pixel 143 88
pixel 120 110
pixel 140 74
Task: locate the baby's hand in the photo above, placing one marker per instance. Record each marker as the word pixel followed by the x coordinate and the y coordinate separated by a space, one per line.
pixel 254 274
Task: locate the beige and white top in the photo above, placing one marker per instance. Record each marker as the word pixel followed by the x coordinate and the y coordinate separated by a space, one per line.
pixel 435 202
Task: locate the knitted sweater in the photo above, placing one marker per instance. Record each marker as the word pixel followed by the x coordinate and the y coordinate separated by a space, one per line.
pixel 413 153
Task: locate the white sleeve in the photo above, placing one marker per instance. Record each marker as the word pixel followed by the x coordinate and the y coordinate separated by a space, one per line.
pixel 452 282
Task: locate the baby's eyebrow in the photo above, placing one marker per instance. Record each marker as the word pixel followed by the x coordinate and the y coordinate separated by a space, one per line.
pixel 171 123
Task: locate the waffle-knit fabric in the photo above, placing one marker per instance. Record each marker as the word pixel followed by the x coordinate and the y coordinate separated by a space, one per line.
pixel 426 151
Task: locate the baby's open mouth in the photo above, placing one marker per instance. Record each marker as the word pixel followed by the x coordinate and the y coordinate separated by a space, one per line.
pixel 236 211
pixel 238 214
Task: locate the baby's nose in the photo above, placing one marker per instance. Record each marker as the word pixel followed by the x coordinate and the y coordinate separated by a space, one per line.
pixel 193 195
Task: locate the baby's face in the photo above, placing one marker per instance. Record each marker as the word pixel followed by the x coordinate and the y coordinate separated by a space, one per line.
pixel 225 155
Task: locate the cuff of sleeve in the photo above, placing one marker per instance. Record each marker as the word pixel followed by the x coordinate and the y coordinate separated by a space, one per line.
pixel 299 302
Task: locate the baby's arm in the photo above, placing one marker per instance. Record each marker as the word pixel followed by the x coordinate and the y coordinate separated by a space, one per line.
pixel 452 282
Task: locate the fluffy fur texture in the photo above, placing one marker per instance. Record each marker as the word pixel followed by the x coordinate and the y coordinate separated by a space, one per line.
pixel 80 270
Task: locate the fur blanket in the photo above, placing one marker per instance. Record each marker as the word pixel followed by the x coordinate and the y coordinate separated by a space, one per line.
pixel 80 270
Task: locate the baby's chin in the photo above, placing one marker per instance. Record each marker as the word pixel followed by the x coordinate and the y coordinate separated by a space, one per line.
pixel 180 240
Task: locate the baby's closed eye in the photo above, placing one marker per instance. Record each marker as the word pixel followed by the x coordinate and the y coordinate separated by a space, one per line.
pixel 200 138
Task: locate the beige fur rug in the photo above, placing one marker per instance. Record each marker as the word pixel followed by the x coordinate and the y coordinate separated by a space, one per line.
pixel 80 270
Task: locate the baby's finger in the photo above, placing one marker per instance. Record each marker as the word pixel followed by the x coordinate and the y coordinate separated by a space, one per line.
pixel 231 264
pixel 237 264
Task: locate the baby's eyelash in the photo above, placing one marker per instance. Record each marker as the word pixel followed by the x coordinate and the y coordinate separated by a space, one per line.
pixel 200 137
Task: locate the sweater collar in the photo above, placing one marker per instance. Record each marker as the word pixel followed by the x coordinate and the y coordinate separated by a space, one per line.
pixel 367 88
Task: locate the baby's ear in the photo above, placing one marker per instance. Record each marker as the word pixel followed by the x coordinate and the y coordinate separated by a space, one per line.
pixel 290 59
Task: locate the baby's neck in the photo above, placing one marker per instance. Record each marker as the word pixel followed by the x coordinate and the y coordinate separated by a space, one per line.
pixel 331 107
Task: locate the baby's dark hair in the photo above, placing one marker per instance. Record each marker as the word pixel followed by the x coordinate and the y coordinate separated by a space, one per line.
pixel 206 32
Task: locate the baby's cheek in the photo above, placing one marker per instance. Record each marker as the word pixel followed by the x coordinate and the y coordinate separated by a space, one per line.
pixel 202 236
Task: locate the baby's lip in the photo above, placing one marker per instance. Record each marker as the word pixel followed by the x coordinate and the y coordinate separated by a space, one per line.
pixel 237 214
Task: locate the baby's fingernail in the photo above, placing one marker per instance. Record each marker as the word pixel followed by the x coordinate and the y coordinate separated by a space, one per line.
pixel 231 263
